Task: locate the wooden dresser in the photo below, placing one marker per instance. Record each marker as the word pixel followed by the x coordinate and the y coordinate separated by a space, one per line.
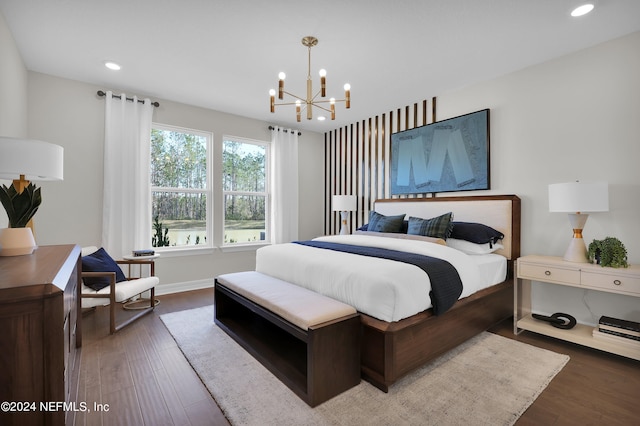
pixel 40 334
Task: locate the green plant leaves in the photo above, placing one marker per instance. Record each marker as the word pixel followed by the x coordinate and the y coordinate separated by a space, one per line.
pixel 610 252
pixel 20 207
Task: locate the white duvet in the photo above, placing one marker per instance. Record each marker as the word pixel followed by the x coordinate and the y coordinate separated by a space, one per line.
pixel 383 289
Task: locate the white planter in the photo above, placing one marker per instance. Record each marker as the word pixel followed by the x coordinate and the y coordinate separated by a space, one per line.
pixel 16 241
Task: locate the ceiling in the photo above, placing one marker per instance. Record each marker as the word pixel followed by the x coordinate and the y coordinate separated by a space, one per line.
pixel 226 55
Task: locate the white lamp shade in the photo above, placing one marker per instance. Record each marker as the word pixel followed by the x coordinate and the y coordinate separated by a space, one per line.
pixel 584 197
pixel 344 203
pixel 36 160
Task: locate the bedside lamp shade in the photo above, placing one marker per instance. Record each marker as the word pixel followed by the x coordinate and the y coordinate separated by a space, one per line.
pixel 344 204
pixel 575 197
pixel 35 160
pixel 24 160
pixel 578 199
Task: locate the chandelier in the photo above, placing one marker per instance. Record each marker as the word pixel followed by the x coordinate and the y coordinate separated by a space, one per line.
pixel 311 100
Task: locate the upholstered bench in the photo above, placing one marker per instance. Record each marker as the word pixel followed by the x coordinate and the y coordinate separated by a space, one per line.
pixel 307 340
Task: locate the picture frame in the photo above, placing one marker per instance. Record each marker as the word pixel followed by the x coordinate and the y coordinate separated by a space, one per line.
pixel 446 156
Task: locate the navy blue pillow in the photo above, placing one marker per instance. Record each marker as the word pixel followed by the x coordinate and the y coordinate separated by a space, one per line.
pixel 475 232
pixel 100 261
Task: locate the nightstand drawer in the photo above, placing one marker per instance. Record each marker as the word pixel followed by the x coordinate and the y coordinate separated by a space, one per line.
pixel 548 273
pixel 611 282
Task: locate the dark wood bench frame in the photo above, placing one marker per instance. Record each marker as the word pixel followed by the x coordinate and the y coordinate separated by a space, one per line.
pixel 316 364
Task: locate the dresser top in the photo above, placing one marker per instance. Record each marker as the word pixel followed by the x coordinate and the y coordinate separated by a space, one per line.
pixel 46 271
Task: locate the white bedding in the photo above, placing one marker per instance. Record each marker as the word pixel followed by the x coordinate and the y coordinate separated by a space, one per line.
pixel 383 289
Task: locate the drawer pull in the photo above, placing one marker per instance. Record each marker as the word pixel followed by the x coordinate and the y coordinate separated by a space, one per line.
pixel 617 282
pixel 547 273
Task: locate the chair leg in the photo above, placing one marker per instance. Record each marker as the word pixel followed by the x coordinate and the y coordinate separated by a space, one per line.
pixel 112 318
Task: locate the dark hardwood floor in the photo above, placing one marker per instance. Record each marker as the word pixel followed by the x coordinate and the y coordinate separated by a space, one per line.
pixel 145 380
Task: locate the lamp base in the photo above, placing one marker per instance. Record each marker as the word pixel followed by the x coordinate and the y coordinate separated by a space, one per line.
pixel 16 241
pixel 577 251
pixel 343 226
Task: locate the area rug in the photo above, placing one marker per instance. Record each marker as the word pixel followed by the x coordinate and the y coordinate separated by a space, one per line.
pixel 488 380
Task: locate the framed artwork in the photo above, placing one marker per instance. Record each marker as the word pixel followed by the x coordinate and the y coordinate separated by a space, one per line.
pixel 445 156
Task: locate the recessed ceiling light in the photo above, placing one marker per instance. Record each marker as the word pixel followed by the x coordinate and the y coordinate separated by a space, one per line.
pixel 582 10
pixel 321 118
pixel 112 65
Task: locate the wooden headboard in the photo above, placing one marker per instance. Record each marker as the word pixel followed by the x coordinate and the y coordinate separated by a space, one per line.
pixel 501 212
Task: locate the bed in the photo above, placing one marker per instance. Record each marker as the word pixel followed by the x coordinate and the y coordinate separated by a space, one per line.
pixel 396 337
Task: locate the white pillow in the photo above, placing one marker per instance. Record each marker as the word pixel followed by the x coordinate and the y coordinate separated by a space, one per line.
pixel 473 248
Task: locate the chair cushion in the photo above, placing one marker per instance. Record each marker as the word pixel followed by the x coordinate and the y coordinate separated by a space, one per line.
pixel 124 290
pixel 100 261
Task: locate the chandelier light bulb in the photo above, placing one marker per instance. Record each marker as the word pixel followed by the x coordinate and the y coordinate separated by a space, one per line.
pixel 322 72
pixel 282 75
pixel 272 92
pixel 347 86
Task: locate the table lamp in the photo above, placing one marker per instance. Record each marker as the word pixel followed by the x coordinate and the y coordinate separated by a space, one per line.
pixel 578 199
pixel 24 160
pixel 344 204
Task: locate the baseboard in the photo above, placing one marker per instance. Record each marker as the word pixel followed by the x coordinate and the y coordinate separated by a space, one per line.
pixel 184 286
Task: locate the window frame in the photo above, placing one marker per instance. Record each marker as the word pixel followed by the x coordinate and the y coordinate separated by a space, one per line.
pixel 208 246
pixel 267 194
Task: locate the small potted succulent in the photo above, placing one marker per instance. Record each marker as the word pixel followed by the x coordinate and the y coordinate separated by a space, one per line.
pixel 608 252
pixel 18 239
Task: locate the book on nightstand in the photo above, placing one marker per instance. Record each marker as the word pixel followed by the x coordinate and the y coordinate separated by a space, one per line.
pixel 619 324
pixel 613 338
pixel 143 253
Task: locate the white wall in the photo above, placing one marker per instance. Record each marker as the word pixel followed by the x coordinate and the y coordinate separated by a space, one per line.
pixel 13 86
pixel 575 117
pixel 69 113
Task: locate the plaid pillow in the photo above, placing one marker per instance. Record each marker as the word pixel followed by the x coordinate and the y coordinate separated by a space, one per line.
pixel 382 223
pixel 437 227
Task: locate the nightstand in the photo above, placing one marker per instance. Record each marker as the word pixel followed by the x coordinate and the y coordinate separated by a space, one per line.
pixel 554 270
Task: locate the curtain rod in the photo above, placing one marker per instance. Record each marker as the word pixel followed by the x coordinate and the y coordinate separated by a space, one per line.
pixel 101 93
pixel 285 130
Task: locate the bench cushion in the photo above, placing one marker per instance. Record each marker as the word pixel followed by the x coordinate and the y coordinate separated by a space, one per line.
pixel 299 306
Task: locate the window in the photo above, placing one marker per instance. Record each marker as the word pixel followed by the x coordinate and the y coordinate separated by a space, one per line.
pixel 246 191
pixel 180 187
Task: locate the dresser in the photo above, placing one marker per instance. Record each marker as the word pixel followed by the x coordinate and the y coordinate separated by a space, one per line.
pixel 39 355
pixel 554 270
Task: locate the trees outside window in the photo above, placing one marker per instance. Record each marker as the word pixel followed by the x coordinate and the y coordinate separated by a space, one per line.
pixel 180 187
pixel 245 190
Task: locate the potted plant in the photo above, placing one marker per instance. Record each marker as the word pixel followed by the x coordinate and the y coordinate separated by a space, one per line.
pixel 18 239
pixel 608 252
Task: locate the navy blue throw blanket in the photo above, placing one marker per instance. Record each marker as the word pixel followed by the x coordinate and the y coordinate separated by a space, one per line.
pixel 446 286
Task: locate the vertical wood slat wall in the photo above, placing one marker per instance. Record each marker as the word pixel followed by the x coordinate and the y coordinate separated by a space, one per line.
pixel 357 161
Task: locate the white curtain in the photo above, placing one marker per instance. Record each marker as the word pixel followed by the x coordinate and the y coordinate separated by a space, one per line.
pixel 126 217
pixel 284 173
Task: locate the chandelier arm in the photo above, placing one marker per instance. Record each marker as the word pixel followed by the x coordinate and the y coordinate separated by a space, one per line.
pixel 287 103
pixel 295 96
pixel 316 95
pixel 328 101
pixel 321 107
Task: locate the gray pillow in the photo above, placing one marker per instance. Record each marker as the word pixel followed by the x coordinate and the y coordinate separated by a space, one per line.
pixel 437 227
pixel 382 223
